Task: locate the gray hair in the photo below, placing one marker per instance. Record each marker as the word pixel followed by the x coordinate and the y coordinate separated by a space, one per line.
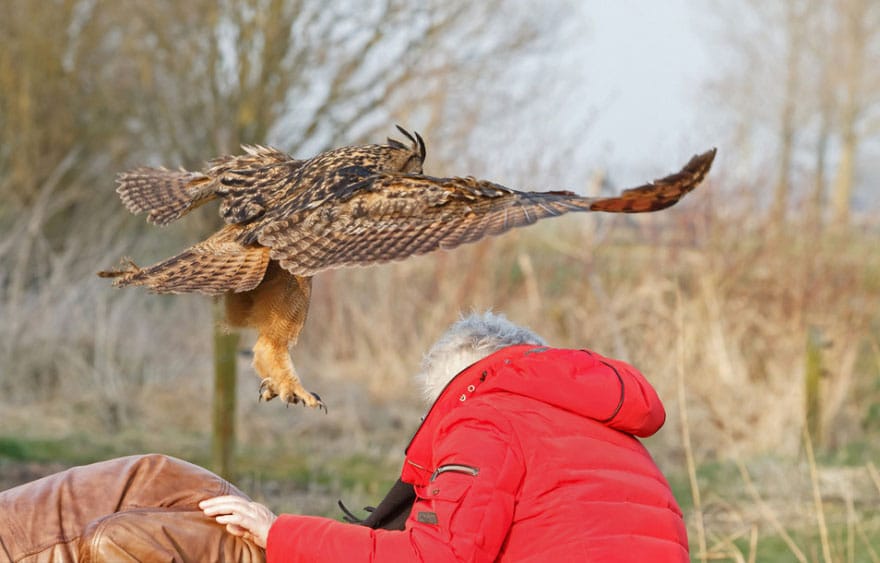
pixel 467 341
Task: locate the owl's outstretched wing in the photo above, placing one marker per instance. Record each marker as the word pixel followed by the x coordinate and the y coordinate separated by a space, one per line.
pixel 661 193
pixel 217 265
pixel 384 217
pixel 244 183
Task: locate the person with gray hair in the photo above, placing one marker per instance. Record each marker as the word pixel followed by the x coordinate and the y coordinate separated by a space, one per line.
pixel 467 341
pixel 527 453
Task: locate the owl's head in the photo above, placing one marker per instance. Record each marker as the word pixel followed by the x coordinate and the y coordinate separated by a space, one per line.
pixel 403 158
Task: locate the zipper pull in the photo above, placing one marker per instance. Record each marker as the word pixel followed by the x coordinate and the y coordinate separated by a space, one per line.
pixel 457 468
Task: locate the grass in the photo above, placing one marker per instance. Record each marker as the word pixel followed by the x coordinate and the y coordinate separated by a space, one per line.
pixel 284 480
pixel 77 448
pixel 736 528
pixel 743 512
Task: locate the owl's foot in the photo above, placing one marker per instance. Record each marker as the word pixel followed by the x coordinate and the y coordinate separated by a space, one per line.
pixel 273 364
pixel 290 392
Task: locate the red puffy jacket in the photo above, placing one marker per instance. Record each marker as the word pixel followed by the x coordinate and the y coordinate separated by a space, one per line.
pixel 527 455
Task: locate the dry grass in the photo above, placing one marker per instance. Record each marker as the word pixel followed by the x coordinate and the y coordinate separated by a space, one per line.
pixel 715 311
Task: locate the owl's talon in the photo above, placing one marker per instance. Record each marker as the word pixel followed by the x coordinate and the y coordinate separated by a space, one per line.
pixel 320 406
pixel 267 390
pixel 295 394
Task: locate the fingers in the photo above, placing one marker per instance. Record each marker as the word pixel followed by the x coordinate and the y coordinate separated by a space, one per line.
pixel 223 505
pixel 242 517
pixel 235 530
pixel 244 533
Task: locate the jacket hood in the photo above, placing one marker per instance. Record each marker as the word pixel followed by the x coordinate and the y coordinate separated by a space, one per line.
pixel 607 391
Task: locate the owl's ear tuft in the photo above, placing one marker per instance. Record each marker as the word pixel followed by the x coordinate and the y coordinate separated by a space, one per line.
pixel 422 151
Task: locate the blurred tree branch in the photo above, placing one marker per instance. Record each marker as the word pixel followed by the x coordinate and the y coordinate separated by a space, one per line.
pixel 857 76
pixel 803 64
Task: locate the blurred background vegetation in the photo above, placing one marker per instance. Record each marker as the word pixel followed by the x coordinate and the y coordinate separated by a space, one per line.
pixel 754 306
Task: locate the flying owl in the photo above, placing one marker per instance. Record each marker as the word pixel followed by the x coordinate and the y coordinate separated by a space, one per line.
pixel 288 219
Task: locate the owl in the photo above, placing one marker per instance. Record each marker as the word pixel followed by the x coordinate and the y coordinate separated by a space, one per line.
pixel 286 220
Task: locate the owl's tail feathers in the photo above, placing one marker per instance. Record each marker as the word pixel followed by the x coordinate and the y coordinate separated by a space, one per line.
pixel 165 195
pixel 210 267
pixel 662 193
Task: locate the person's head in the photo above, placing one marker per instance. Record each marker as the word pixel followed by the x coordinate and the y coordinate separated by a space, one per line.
pixel 467 341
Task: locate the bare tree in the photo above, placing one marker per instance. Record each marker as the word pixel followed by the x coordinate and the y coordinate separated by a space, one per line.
pixel 825 52
pixel 858 77
pixel 795 39
pixel 803 64
pixel 57 121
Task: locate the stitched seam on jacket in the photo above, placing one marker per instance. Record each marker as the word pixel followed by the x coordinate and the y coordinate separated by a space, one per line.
pixel 96 536
pixel 638 535
pixel 511 429
pixel 653 478
pixel 224 488
pixel 44 546
pixel 106 520
pixel 622 393
pixel 517 445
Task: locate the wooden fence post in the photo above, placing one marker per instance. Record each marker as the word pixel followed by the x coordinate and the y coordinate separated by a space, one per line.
pixel 224 411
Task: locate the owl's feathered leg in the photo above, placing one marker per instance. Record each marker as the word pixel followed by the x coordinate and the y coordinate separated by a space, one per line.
pixel 277 308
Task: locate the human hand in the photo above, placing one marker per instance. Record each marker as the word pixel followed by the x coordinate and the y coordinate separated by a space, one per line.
pixel 250 520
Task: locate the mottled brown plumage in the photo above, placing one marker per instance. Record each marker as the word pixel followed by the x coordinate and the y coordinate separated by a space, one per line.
pixel 288 219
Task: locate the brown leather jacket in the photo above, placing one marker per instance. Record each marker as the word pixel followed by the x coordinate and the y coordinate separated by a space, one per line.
pixel 138 508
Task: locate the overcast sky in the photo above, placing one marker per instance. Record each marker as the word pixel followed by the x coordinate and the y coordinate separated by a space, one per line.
pixel 649 65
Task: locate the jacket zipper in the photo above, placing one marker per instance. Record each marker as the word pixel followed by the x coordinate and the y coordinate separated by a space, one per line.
pixel 456 467
pixel 449 384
